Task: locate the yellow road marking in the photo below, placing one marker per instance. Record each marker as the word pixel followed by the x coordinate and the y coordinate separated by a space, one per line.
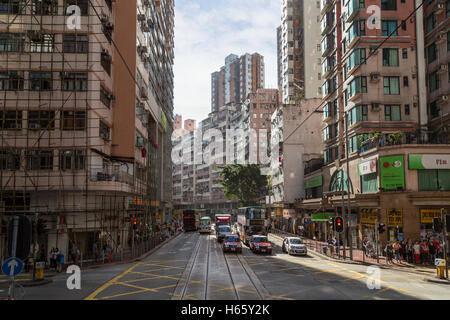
pixel 110 282
pixel 161 265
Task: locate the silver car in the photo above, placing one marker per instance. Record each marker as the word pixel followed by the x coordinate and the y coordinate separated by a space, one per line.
pixel 294 246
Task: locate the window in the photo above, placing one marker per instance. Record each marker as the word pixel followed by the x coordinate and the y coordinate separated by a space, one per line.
pixel 11 80
pixel 433 180
pixel 140 140
pixel 12 6
pixel 39 159
pixel 106 62
pixel 357 85
pixel 369 183
pixel 40 42
pixel 73 120
pixel 433 81
pixel 12 42
pixel 407 109
pixel 75 43
pixel 41 81
pixel 82 4
pixel 44 120
pixel 435 110
pixel 10 120
pixel 45 7
pixel 104 131
pixel 105 97
pixel 405 53
pixel 389 28
pixel 74 81
pixel 357 114
pixel 391 85
pixel 430 22
pixel 16 201
pixel 405 81
pixel 388 4
pixel 390 57
pixel 10 160
pixel 72 159
pixel 392 112
pixel 432 52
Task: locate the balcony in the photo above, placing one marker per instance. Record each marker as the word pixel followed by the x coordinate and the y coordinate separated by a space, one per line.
pixel 353 9
pixel 324 5
pixel 313 165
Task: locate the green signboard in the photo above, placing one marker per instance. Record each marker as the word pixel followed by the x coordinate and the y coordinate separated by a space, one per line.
pixel 318 217
pixel 429 161
pixel 392 171
pixel 313 182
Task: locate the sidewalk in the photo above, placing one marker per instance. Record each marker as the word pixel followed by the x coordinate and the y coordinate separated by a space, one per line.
pixel 26 279
pixel 316 247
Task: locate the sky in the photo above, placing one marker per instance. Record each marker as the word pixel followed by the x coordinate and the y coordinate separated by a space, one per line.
pixel 206 31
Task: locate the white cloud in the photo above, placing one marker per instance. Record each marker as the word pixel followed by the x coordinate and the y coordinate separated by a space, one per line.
pixel 206 31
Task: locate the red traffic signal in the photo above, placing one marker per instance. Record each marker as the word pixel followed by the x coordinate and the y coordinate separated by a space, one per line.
pixel 339 224
pixel 134 223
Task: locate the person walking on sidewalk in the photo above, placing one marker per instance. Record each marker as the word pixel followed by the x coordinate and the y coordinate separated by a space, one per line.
pixel 410 251
pixel 417 252
pixel 425 252
pixel 389 252
pixel 432 250
pixel 396 247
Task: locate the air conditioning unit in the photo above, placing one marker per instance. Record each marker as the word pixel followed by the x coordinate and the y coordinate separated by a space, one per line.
pixel 34 126
pixel 64 74
pixel 439 8
pixel 441 38
pixel 374 77
pixel 104 18
pixel 444 99
pixel 141 17
pixel 375 107
pixel 111 97
pixel 442 68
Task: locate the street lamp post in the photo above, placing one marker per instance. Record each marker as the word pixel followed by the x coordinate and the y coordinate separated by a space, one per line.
pixel 349 213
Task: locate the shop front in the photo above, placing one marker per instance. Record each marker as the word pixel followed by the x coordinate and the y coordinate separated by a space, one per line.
pixel 289 221
pixel 322 229
pixel 367 220
pixel 426 223
pixel 395 225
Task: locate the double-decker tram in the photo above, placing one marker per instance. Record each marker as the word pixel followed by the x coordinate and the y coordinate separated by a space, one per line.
pixel 205 225
pixel 251 221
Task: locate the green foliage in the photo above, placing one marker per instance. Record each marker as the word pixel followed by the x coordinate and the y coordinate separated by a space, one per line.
pixel 244 183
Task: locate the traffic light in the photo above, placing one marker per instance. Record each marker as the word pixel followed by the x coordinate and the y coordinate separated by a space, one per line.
pixel 134 223
pixel 41 226
pixel 381 228
pixel 339 224
pixel 437 225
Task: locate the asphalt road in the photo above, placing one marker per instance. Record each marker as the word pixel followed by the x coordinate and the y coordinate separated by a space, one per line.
pixel 193 267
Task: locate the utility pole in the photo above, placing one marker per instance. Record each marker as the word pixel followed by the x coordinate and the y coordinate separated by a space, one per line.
pixel 445 235
pixel 377 236
pixel 343 215
pixel 349 212
pixel 35 244
pixel 11 294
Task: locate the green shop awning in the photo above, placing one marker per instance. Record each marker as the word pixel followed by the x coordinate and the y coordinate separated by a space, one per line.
pixel 313 182
pixel 321 217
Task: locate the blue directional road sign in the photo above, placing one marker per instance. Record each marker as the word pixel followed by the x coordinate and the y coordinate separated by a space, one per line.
pixel 12 267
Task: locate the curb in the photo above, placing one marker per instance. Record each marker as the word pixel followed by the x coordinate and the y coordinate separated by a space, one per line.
pixel 358 262
pixel 440 281
pixel 35 283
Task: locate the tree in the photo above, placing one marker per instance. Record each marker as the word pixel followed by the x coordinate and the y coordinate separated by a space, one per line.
pixel 244 183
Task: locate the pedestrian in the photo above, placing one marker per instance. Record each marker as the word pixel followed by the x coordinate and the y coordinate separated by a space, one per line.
pixel 94 251
pixel 417 252
pixel 396 248
pixel 424 249
pixel 410 251
pixel 389 250
pixel 364 244
pixel 432 251
pixel 441 250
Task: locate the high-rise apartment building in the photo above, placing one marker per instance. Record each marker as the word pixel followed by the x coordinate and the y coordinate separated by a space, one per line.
pixel 381 103
pixel 300 46
pixel 85 115
pixel 236 79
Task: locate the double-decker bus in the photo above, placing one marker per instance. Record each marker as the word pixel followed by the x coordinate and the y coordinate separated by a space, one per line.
pixel 251 221
pixel 189 220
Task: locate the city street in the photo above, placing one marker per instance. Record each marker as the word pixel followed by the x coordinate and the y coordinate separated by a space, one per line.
pixel 193 267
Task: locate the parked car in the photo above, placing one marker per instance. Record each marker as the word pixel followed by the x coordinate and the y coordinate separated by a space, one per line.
pixel 222 231
pixel 294 246
pixel 232 243
pixel 260 244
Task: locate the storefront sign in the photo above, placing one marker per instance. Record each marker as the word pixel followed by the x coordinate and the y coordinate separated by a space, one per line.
pixel 288 213
pixel 368 216
pixel 429 161
pixel 427 215
pixel 313 182
pixel 395 218
pixel 367 167
pixel 321 217
pixel 279 212
pixel 392 173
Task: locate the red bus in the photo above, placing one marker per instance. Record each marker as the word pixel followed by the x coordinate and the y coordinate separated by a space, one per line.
pixel 189 220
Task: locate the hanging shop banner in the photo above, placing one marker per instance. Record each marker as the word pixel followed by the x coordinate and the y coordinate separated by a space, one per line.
pixel 427 215
pixel 322 217
pixel 392 172
pixel 368 216
pixel 367 167
pixel 395 218
pixel 163 120
pixel 429 161
pixel 313 182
